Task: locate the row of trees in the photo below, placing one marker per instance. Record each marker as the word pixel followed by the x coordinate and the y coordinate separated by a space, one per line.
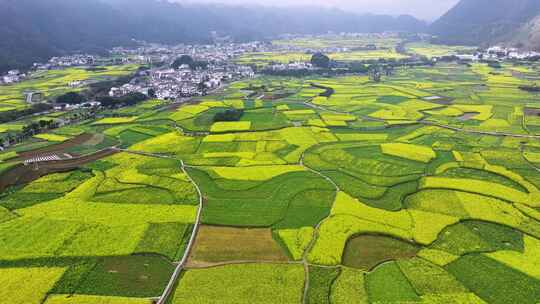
pixel 376 69
pixel 41 126
pixel 130 99
pixel 328 90
pixel 530 88
pixel 189 61
pixel 8 116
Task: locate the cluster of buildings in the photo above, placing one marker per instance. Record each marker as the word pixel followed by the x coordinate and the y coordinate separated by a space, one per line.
pixel 292 66
pixel 152 53
pixel 66 61
pixel 170 83
pixel 12 76
pixel 56 63
pixel 499 52
pixel 165 82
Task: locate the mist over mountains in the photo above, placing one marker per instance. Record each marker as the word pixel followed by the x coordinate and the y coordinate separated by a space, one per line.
pixel 34 30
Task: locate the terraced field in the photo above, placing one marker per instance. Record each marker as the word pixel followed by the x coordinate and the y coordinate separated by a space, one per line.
pixel 422 188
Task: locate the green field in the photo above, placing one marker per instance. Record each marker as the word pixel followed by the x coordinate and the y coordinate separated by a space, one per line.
pixel 421 188
pixel 430 50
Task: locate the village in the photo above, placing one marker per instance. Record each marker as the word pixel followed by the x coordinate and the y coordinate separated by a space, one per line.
pixel 216 63
pixel 172 83
pixel 213 67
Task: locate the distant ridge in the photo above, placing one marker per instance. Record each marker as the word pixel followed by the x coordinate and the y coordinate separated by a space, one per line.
pixel 484 22
pixel 34 30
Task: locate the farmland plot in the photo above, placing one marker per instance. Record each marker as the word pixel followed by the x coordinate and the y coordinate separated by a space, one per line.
pixel 421 188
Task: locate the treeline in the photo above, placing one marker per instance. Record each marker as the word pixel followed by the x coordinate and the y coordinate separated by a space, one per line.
pixel 130 99
pixel 229 115
pixel 9 116
pixel 531 89
pixel 43 125
pixel 328 91
pixel 189 61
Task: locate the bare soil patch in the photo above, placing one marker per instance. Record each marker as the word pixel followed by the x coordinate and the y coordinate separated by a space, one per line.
pixel 22 174
pixel 215 245
pixel 276 95
pixel 467 116
pixel 81 139
pixel 367 251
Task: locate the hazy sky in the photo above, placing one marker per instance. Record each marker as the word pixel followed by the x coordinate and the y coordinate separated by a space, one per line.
pixel 425 9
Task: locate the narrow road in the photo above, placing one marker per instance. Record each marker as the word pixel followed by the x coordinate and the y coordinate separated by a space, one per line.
pixel 305 261
pixel 181 265
pixel 317 172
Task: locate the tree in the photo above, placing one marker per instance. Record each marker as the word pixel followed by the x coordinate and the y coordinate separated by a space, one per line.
pixel 8 116
pixel 358 67
pixel 71 98
pixel 184 59
pixel 152 93
pixel 320 60
pixel 375 73
pixel 494 65
pixel 229 115
pixel 44 123
pixel 388 70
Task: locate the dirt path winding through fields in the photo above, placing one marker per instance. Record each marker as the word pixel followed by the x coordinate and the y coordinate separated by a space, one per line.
pixel 180 266
pixel 305 261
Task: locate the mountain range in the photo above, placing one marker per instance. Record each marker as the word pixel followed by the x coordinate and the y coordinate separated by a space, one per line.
pixel 35 30
pixel 487 22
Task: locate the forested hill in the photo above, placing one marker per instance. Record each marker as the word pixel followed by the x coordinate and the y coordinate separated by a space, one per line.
pixel 34 30
pixel 485 21
pixel 31 30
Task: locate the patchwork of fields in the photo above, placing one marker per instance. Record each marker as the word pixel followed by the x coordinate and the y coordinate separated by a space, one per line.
pixel 54 83
pixel 422 188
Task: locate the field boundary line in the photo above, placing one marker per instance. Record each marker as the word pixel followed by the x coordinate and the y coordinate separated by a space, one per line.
pixel 142 153
pixel 181 265
pixel 245 262
pixel 311 244
pixel 429 123
pixel 529 162
pixel 318 173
